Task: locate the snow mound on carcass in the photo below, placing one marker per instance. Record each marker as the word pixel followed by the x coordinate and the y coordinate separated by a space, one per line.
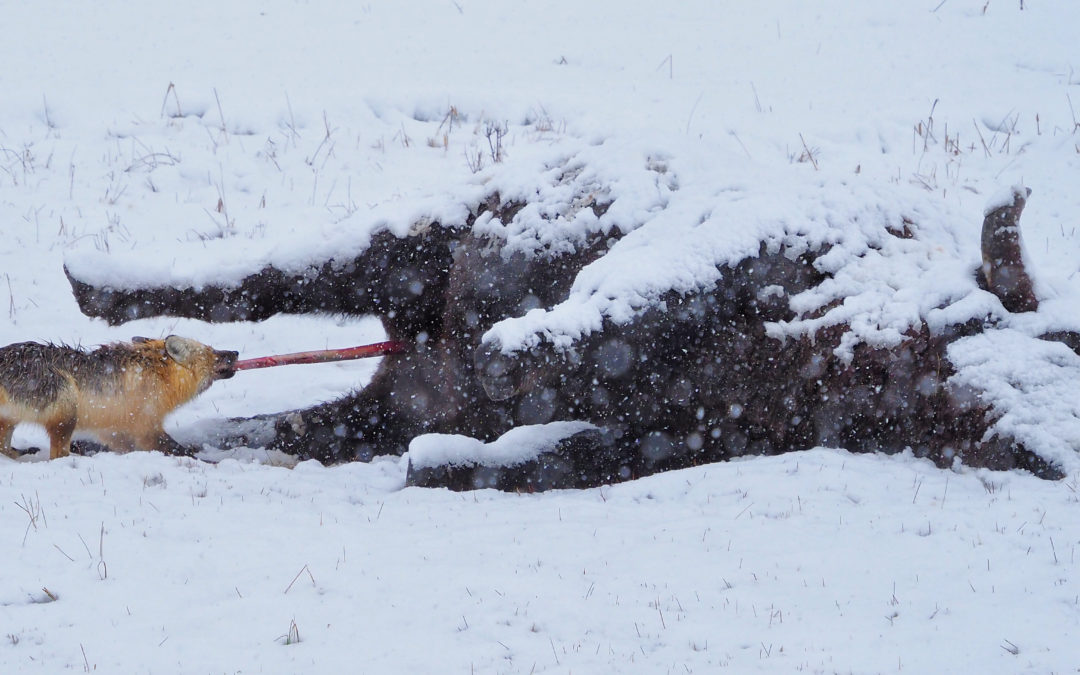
pixel 1030 383
pixel 517 446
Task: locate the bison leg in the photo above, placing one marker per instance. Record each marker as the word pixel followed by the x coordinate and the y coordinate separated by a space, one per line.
pixel 1003 270
pixel 400 279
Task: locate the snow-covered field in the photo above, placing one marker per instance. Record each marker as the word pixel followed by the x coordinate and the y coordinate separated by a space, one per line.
pixel 197 141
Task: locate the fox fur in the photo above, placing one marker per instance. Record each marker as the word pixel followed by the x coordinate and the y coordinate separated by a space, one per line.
pixel 119 393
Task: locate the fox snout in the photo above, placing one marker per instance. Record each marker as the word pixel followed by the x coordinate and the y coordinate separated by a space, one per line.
pixel 224 364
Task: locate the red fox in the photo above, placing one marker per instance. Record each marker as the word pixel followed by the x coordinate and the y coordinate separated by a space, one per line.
pixel 119 393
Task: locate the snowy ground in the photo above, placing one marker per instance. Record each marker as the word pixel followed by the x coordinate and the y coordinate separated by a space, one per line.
pixel 196 140
pixel 817 561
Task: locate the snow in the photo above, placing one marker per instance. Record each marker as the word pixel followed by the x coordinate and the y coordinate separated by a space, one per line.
pixel 516 446
pixel 197 142
pixel 1036 395
pixel 820 561
pixel 1005 197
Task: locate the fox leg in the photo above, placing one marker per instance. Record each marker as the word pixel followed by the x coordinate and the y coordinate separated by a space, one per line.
pixel 117 441
pixel 157 439
pixel 60 431
pixel 7 428
pixel 168 445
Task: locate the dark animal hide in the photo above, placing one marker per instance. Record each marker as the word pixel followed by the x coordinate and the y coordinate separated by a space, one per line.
pixel 694 379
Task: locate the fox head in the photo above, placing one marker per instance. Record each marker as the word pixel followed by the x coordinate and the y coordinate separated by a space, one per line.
pixel 203 362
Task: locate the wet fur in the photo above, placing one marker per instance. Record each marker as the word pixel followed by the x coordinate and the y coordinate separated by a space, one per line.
pixel 119 393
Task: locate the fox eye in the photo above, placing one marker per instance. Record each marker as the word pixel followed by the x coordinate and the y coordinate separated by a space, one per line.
pixel 138 339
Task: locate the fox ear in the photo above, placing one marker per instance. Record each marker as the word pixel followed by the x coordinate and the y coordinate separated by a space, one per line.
pixel 138 339
pixel 180 349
